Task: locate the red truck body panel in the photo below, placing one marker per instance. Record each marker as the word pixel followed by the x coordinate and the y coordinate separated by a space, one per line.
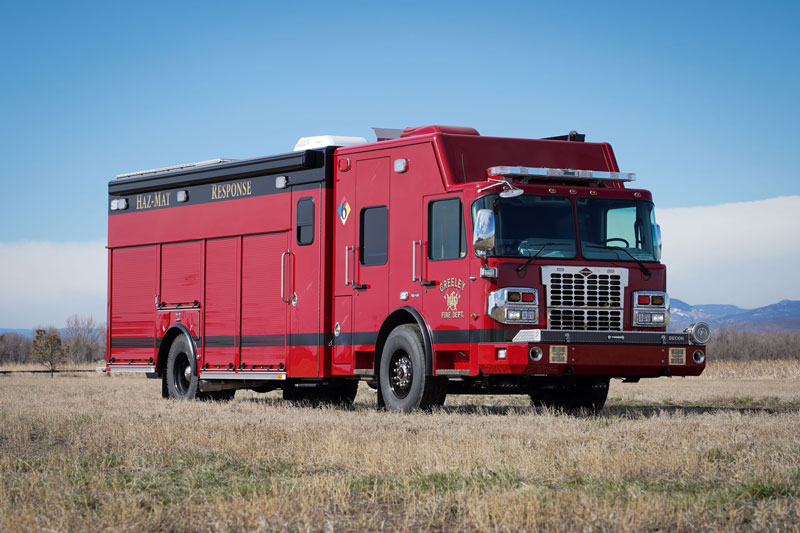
pixel 276 280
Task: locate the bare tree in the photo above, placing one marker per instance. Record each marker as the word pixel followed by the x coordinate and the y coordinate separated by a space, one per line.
pixel 730 344
pixel 85 339
pixel 14 348
pixel 48 349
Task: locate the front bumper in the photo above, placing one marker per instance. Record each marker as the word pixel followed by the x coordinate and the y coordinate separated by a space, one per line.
pixel 608 353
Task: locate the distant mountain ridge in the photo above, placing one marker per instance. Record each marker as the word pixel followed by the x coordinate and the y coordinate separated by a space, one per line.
pixel 782 316
pixel 24 332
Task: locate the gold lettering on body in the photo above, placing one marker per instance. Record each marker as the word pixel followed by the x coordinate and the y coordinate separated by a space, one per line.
pixel 231 190
pixel 153 199
pixel 452 296
pixel 218 192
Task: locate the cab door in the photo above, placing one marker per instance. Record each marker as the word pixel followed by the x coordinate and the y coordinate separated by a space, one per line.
pixel 446 272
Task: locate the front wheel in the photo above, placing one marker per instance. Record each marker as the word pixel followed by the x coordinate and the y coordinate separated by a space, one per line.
pixel 404 383
pixel 181 370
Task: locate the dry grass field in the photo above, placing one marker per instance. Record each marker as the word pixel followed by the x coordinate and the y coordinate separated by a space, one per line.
pixel 89 452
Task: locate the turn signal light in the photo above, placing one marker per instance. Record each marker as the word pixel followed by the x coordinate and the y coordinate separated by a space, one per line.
pixel 658 300
pixel 513 297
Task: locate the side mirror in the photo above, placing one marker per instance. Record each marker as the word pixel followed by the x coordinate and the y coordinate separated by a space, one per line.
pixel 658 242
pixel 483 232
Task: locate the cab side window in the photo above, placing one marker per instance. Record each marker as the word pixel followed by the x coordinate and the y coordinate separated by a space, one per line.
pixel 446 236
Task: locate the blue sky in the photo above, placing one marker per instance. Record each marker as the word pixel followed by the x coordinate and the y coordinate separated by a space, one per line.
pixel 698 98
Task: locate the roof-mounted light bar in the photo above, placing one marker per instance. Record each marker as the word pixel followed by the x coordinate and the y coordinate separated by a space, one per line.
pixel 567 174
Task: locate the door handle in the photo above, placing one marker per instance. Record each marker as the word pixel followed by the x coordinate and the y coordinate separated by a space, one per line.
pixel 346 266
pixel 356 286
pixel 284 299
pixel 414 261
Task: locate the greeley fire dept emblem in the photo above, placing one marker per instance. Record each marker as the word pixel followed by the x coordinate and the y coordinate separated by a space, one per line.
pixel 451 291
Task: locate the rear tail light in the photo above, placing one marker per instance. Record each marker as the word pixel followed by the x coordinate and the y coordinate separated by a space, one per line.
pixel 643 299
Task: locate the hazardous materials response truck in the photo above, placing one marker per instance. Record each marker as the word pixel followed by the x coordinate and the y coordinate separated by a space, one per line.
pixel 433 261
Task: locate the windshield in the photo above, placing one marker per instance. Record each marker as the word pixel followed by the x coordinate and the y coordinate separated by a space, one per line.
pixel 610 228
pixel 528 225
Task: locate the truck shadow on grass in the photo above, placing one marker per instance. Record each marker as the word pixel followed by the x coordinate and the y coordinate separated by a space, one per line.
pixel 649 411
pixel 611 411
pixel 639 411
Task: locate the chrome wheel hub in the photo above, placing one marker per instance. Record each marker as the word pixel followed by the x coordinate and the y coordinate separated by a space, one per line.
pixel 402 374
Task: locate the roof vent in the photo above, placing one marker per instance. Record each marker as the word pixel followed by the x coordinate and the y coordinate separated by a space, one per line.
pixel 387 134
pixel 321 141
pixel 423 130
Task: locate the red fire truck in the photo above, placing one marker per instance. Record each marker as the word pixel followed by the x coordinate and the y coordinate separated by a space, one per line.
pixel 433 261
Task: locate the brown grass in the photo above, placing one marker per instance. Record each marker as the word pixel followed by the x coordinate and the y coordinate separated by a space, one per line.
pixel 93 452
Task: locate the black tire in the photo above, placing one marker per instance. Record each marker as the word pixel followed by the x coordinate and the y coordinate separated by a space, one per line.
pixel 404 385
pixel 580 394
pixel 181 370
pixel 441 392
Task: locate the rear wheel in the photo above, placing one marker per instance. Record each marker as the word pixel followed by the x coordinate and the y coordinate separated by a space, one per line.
pixel 181 370
pixel 404 385
pixel 582 393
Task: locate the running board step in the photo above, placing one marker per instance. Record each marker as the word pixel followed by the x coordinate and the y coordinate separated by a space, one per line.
pixel 243 375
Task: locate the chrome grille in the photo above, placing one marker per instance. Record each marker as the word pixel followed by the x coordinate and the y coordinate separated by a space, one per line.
pixel 575 290
pixel 585 319
pixel 584 298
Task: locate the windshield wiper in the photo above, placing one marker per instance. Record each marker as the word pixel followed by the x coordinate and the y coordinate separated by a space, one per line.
pixel 620 249
pixel 529 261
